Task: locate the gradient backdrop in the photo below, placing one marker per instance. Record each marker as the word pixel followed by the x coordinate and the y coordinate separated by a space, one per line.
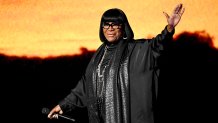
pixel 42 28
pixel 60 27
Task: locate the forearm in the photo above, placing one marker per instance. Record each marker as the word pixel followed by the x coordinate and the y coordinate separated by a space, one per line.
pixel 77 97
pixel 159 42
pixel 163 37
pixel 67 104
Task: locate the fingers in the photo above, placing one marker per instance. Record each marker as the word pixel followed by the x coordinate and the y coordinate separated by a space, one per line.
pixel 166 15
pixel 178 9
pixel 60 112
pixel 55 116
pixel 51 114
pixel 54 112
pixel 182 11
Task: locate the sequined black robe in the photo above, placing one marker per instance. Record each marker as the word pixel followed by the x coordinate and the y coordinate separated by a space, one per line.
pixel 136 65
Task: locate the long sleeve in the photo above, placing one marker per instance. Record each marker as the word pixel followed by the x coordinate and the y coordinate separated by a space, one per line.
pixel 158 42
pixel 76 98
pixel 144 76
pixel 147 51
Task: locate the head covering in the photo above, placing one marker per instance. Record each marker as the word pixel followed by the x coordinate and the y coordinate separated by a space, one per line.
pixel 118 16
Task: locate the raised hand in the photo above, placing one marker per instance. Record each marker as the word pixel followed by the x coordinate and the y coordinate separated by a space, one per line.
pixel 175 17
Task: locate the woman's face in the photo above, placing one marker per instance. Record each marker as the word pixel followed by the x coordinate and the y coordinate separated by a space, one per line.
pixel 112 31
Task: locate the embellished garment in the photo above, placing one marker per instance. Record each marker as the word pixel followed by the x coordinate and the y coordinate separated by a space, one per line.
pixel 111 91
pixel 102 72
pixel 120 83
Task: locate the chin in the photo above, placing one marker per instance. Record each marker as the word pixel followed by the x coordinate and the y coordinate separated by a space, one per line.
pixel 112 40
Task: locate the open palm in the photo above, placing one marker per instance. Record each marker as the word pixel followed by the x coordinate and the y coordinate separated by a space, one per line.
pixel 176 15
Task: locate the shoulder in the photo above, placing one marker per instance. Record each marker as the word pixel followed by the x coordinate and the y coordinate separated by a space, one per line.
pixel 141 41
pixel 138 44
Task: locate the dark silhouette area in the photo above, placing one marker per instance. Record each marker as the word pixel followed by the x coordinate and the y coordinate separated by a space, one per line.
pixel 28 85
pixel 186 87
pixel 188 79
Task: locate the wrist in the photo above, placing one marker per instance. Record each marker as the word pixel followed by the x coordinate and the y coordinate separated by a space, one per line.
pixel 170 28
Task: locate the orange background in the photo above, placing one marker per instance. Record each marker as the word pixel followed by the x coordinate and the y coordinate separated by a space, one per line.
pixel 60 27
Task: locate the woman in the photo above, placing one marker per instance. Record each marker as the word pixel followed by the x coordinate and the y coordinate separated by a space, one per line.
pixel 120 82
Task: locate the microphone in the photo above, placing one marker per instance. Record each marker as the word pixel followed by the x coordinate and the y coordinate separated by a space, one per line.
pixel 46 111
